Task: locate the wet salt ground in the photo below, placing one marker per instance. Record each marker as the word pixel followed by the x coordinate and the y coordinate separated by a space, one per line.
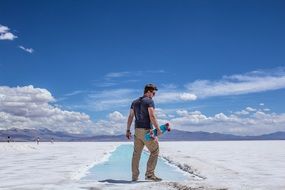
pixel 118 168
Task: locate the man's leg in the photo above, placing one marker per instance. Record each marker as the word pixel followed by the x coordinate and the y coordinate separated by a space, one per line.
pixel 138 147
pixel 153 148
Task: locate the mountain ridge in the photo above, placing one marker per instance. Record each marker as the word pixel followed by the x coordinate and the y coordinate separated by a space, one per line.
pixel 25 135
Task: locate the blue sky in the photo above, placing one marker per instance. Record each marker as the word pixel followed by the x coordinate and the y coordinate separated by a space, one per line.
pixel 93 57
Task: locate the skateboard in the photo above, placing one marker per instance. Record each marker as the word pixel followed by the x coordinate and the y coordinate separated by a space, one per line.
pixel 153 133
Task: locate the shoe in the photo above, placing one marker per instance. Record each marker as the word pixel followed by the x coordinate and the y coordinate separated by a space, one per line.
pixel 152 178
pixel 134 179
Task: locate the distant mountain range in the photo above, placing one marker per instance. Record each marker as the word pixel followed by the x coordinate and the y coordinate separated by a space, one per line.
pixel 175 135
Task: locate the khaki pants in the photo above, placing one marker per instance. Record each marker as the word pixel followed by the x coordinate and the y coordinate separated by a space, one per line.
pixel 153 148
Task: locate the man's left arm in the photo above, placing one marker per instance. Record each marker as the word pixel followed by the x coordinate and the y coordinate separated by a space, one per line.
pixel 153 120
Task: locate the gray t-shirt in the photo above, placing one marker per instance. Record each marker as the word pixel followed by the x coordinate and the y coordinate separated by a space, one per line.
pixel 140 107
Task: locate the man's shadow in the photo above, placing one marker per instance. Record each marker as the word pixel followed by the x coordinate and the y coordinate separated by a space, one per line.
pixel 119 181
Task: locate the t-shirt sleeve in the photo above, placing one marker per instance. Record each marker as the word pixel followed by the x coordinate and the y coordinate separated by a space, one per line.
pixel 132 105
pixel 150 103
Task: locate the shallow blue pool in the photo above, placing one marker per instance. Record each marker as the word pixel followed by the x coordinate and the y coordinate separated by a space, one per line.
pixel 118 168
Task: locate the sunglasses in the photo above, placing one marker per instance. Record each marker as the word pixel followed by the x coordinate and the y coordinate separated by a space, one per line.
pixel 153 92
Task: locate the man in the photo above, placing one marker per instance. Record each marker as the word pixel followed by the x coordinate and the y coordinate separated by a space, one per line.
pixel 143 111
pixel 38 140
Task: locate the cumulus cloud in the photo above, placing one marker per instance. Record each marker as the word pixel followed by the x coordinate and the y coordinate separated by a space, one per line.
pixel 242 112
pixel 251 123
pixel 252 82
pixel 116 116
pixel 30 107
pixel 240 122
pixel 182 113
pixel 250 109
pixel 5 33
pixel 187 96
pixel 115 124
pixel 29 50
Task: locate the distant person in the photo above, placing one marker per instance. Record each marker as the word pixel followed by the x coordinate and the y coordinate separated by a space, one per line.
pixel 51 140
pixel 8 139
pixel 143 111
pixel 38 140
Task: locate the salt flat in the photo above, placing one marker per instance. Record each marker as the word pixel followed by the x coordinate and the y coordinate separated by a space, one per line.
pixel 211 165
pixel 232 164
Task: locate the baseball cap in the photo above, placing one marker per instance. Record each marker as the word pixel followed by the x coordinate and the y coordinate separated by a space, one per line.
pixel 151 87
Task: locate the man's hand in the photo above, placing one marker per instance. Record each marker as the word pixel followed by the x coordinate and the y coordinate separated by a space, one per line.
pixel 128 134
pixel 158 132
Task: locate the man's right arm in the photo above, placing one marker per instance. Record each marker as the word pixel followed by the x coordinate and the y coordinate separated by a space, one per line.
pixel 130 119
pixel 129 124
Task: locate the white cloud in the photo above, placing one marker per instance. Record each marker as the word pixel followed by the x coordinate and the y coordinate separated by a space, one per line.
pixel 161 113
pixel 253 123
pixel 122 98
pixel 187 96
pixel 110 99
pixel 3 29
pixel 105 84
pixel 7 36
pixel 5 33
pixel 250 109
pixel 169 86
pixel 76 92
pixel 114 79
pixel 171 97
pixel 256 81
pixel 116 116
pixel 242 112
pixel 182 112
pixel 116 74
pixel 221 117
pixel 29 50
pixel 252 82
pixel 156 71
pixel 32 108
pixel 29 107
pixel 114 125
